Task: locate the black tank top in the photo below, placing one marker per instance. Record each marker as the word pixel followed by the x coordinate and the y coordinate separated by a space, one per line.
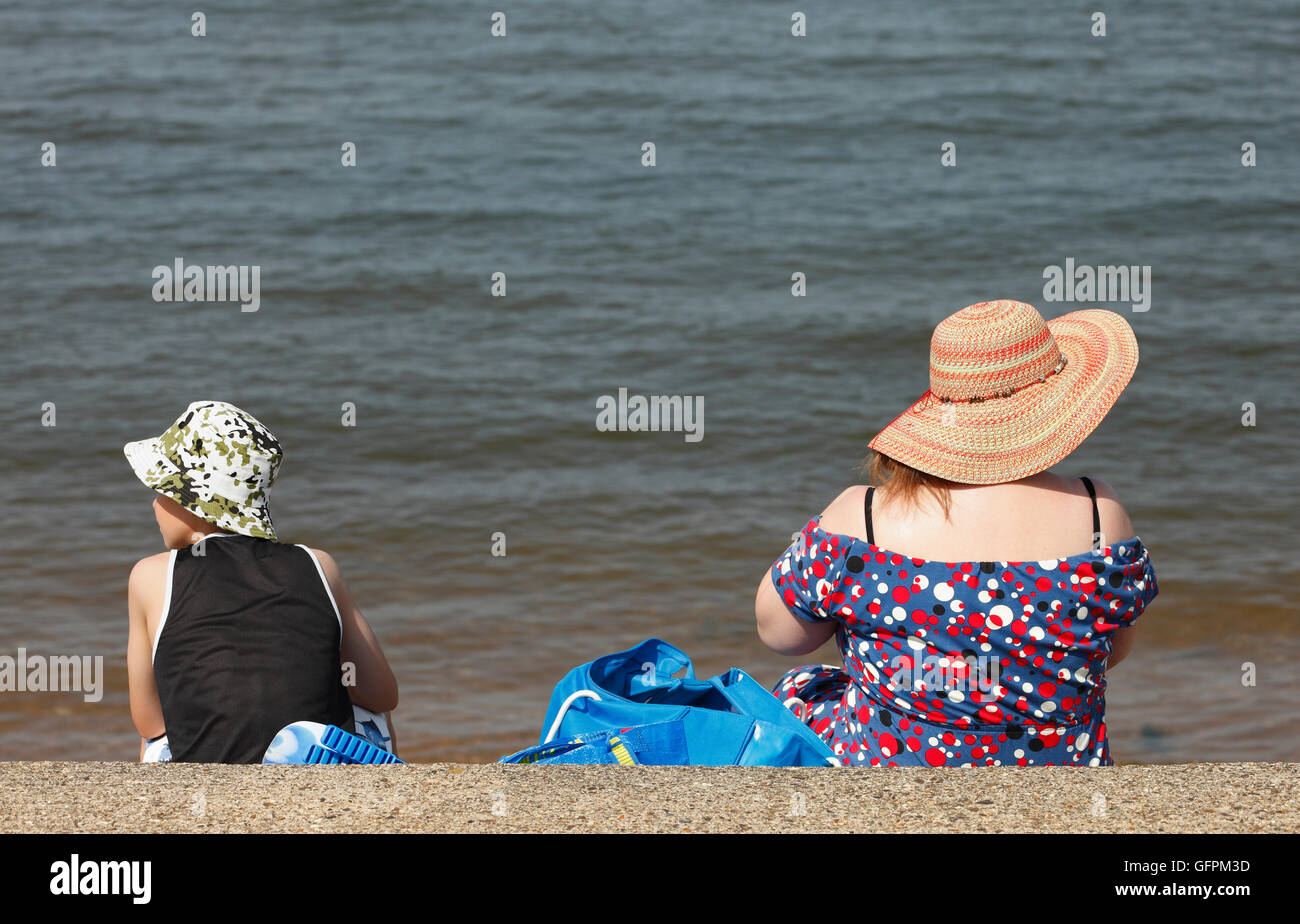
pixel 248 642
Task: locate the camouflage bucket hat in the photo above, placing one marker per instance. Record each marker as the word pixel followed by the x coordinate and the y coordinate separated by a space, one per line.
pixel 217 462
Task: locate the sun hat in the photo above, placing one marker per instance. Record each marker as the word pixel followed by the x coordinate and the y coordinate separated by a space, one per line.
pixel 1011 394
pixel 216 461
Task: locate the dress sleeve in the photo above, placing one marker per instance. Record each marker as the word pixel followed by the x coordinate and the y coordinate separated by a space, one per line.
pixel 808 574
pixel 1132 585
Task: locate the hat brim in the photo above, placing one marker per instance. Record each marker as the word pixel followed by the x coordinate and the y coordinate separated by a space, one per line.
pixel 156 471
pixel 1006 439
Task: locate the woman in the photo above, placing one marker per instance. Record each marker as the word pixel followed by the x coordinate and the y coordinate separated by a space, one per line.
pixel 234 635
pixel 975 609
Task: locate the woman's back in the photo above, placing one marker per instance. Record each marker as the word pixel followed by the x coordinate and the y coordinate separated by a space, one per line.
pixel 1043 516
pixel 989 650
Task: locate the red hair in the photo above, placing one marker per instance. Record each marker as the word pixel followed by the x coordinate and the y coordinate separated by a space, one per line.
pixel 905 482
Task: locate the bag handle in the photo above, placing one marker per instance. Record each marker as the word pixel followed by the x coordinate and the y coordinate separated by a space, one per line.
pixel 564 707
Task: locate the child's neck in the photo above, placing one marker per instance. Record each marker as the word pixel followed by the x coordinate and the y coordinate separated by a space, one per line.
pixel 199 535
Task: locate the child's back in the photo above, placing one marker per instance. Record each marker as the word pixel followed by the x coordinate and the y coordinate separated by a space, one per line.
pixel 248 642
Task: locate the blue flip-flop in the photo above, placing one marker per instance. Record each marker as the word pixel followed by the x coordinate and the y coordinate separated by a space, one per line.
pixel 314 743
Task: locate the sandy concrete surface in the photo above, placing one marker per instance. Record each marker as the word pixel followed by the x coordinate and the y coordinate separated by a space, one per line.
pixel 125 797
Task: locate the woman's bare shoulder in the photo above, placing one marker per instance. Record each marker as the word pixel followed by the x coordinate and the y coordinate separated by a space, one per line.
pixel 1115 522
pixel 844 515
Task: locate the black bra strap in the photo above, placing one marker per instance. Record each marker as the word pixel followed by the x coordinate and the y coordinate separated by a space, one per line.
pixel 866 512
pixel 1096 517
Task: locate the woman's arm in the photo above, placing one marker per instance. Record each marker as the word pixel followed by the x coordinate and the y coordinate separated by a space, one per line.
pixel 376 687
pixel 1115 527
pixel 781 630
pixel 1121 645
pixel 778 627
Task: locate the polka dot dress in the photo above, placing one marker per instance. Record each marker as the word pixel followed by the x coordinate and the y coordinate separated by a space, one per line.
pixel 965 664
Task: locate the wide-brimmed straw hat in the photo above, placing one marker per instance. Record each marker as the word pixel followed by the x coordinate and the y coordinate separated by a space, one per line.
pixel 1011 394
pixel 216 461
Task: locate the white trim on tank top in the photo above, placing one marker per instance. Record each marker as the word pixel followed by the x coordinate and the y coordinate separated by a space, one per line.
pixel 166 607
pixel 329 593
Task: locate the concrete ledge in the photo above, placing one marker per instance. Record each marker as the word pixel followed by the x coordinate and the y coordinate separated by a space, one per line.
pixel 128 798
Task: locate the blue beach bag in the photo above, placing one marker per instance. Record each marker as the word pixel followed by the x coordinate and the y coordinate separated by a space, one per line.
pixel 727 720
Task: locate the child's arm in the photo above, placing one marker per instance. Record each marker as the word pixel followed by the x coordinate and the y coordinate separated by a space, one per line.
pixel 376 687
pixel 144 591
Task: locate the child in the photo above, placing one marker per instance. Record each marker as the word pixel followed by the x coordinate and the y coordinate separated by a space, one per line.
pixel 233 634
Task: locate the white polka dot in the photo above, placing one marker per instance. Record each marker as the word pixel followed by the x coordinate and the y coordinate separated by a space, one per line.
pixel 942 591
pixel 1000 616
